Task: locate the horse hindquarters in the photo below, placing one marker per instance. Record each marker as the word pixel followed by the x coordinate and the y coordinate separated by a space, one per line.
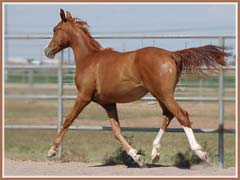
pixel 160 77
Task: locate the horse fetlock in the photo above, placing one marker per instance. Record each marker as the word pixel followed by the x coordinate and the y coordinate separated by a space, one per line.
pixel 139 160
pixel 155 157
pixel 155 153
pixel 202 155
pixel 136 157
pixel 52 152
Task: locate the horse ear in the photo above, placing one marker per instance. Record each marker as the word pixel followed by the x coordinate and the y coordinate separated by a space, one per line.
pixel 62 15
pixel 69 16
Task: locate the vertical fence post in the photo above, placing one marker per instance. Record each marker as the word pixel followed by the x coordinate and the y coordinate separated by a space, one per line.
pixel 6 45
pixel 60 102
pixel 221 113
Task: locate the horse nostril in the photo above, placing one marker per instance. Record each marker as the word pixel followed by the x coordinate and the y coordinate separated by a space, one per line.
pixel 49 53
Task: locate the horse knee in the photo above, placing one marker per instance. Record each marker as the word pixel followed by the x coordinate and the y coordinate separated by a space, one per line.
pixel 67 123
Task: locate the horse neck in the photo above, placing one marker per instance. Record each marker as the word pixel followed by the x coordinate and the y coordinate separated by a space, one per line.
pixel 81 48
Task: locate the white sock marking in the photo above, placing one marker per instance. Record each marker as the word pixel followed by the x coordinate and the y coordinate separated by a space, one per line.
pixel 191 138
pixel 157 140
pixel 157 143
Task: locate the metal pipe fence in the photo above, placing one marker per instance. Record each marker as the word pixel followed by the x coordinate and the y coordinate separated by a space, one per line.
pixel 60 97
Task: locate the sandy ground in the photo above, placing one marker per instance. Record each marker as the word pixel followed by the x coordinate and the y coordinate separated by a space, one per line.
pixel 29 168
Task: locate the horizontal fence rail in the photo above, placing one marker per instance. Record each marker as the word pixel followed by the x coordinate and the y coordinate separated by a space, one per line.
pixel 44 36
pixel 146 98
pixel 69 97
pixel 108 128
pixel 15 66
pixel 60 97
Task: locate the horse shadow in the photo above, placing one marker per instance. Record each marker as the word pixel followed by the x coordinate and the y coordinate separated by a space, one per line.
pixel 147 165
pixel 181 162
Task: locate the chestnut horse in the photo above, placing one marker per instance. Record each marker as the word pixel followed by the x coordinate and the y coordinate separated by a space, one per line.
pixel 108 77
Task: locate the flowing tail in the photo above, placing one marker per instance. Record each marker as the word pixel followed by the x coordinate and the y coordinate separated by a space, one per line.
pixel 200 61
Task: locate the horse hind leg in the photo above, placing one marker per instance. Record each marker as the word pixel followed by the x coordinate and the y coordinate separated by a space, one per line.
pixel 167 117
pixel 183 118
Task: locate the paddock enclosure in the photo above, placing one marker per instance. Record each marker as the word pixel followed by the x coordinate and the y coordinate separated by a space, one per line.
pixel 37 97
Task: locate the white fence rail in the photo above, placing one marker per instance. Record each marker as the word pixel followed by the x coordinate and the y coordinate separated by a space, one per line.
pixel 60 67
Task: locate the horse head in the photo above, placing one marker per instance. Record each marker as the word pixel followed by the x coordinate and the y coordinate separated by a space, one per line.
pixel 61 35
pixel 67 32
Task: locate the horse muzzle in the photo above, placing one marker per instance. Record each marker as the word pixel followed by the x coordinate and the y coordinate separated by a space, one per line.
pixel 49 53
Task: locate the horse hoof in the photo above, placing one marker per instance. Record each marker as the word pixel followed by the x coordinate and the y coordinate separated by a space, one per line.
pixel 155 158
pixel 202 155
pixel 139 160
pixel 51 153
pixel 205 157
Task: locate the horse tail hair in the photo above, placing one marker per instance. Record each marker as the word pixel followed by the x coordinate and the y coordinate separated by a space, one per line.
pixel 201 60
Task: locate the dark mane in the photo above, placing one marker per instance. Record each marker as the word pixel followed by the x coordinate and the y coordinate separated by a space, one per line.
pixel 83 25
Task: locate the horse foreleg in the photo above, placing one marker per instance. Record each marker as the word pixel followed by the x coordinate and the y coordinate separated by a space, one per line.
pixel 80 103
pixel 167 117
pixel 113 115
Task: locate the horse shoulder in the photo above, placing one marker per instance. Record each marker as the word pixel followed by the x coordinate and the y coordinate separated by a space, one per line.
pixel 85 79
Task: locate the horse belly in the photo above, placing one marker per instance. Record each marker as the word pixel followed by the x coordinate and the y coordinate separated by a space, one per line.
pixel 123 94
pixel 131 95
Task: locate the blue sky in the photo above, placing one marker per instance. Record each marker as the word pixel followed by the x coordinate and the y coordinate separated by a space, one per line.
pixel 193 19
pixel 124 18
